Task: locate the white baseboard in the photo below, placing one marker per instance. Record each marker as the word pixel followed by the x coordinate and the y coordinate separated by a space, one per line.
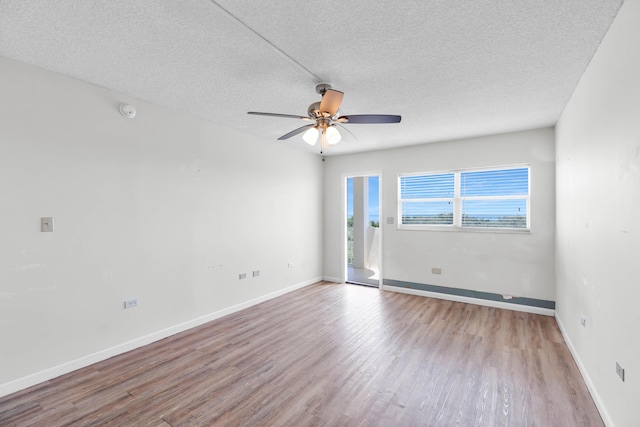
pixel 332 279
pixel 585 375
pixel 65 368
pixel 469 300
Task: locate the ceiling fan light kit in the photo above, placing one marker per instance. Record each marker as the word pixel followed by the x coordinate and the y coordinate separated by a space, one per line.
pixel 332 135
pixel 311 136
pixel 325 116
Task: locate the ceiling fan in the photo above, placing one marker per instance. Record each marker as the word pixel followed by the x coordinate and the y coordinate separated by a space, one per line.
pixel 324 118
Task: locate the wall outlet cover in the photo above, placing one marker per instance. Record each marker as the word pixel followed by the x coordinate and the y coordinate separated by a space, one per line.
pixel 130 303
pixel 46 224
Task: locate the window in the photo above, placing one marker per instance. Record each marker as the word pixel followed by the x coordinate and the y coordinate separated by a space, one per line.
pixel 488 198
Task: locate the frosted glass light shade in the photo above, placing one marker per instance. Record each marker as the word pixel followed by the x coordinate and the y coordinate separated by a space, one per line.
pixel 311 136
pixel 333 136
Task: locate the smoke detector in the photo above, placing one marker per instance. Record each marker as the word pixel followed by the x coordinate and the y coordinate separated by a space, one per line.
pixel 128 111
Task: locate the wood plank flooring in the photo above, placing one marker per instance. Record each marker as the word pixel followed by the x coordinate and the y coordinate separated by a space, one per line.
pixel 329 355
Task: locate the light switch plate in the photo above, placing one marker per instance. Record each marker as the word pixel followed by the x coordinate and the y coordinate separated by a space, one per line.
pixel 620 371
pixel 46 224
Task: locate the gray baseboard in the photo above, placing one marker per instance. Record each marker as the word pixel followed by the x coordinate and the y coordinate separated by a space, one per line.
pixel 532 302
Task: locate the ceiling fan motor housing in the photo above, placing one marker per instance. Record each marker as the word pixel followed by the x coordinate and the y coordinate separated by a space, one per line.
pixel 314 110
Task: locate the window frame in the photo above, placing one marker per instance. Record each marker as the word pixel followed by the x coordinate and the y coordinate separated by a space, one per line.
pixel 458 199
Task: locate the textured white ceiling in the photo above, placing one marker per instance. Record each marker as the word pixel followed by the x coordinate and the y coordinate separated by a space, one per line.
pixel 452 69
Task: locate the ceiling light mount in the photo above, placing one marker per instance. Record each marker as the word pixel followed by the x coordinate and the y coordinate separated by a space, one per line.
pixel 321 88
pixel 128 111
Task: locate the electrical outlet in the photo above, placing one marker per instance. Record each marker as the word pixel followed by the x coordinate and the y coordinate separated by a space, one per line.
pixel 620 371
pixel 436 270
pixel 242 276
pixel 130 303
pixel 583 321
pixel 256 273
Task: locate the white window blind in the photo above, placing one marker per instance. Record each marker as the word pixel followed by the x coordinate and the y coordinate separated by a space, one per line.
pixel 427 199
pixel 495 198
pixel 492 198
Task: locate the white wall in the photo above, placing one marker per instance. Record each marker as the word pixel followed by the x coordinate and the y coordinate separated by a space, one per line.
pixel 165 207
pixel 598 219
pixel 516 264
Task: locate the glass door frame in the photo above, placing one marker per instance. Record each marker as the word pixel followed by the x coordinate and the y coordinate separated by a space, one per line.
pixel 345 216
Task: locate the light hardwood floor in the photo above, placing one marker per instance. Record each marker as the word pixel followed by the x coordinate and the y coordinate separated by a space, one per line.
pixel 330 355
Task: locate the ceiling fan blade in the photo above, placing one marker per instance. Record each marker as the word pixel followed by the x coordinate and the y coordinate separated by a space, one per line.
pixel 331 101
pixel 369 118
pixel 295 132
pixel 288 116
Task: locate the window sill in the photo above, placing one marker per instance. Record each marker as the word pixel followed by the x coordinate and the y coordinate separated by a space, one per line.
pixel 452 228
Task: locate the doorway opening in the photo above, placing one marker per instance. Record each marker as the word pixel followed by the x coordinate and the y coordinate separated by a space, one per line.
pixel 363 230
